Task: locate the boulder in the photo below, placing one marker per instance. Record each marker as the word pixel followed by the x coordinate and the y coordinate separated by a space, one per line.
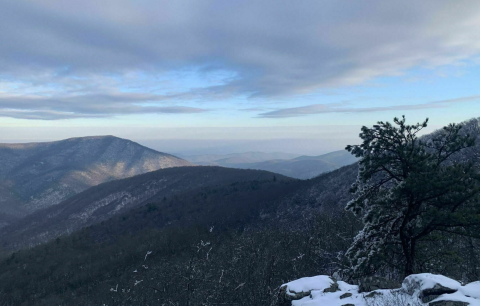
pixel 429 295
pixel 303 287
pixel 429 286
pixel 285 299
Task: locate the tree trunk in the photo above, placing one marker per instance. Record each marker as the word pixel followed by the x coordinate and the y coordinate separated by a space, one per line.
pixel 408 246
pixel 410 262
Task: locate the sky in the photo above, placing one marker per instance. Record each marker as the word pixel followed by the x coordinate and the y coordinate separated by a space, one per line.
pixel 194 77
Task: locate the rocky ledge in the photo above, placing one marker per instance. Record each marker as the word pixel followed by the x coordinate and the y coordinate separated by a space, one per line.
pixel 417 290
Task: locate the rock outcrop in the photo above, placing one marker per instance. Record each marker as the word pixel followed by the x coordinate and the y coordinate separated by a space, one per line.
pixel 418 289
pixel 303 287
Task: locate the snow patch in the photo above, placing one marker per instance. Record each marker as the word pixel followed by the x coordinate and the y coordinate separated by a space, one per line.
pixel 317 291
pixel 308 284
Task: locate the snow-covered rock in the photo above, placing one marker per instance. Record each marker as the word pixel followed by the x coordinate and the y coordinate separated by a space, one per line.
pixel 417 290
pixel 428 287
pixel 302 287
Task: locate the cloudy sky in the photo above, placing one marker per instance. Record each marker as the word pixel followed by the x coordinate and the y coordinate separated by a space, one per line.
pixel 214 72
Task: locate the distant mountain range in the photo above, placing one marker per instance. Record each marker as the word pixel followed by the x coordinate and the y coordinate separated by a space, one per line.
pixel 301 167
pixel 237 158
pixel 38 175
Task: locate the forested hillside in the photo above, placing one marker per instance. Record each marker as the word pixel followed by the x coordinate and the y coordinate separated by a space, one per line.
pixel 38 175
pixel 97 204
pixel 104 201
pixel 253 234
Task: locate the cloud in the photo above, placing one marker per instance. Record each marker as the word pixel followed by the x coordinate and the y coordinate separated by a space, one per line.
pixel 269 48
pixel 42 115
pixel 254 109
pixel 86 106
pixel 457 100
pixel 344 108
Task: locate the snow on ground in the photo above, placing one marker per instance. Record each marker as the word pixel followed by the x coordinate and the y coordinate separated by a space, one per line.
pixel 472 289
pixel 417 290
pixel 306 284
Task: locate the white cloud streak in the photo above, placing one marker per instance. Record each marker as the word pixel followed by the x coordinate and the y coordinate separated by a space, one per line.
pixel 344 108
pixel 86 106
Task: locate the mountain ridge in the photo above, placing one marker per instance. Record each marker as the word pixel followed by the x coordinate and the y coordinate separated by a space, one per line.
pixel 292 165
pixel 36 175
pixel 101 202
pixel 250 157
pixel 303 167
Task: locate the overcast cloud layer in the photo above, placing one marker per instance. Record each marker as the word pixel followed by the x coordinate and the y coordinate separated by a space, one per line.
pixel 71 59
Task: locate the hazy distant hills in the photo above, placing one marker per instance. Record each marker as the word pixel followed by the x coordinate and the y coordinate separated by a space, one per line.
pixel 339 158
pixel 237 158
pixel 301 167
pixel 38 175
pixel 110 199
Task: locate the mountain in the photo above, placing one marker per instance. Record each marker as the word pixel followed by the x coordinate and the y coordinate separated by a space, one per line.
pixel 244 204
pixel 303 167
pixel 233 240
pixel 233 199
pixel 184 196
pixel 113 198
pixel 292 165
pixel 339 158
pixel 236 158
pixel 38 175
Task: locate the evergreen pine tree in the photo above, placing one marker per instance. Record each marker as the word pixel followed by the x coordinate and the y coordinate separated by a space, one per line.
pixel 407 189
